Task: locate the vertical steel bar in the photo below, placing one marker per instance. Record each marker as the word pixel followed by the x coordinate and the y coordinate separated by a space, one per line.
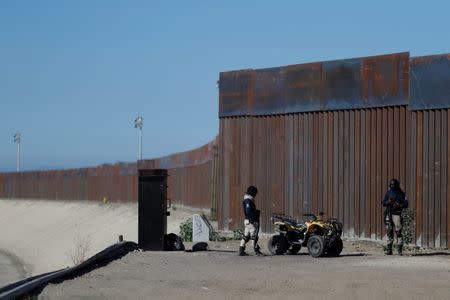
pixel 373 174
pixel 396 149
pixel 402 144
pixel 301 165
pixel 352 179
pixel 320 162
pixel 363 174
pixel 437 180
pixel 379 173
pixel 341 166
pixel 310 160
pixel 335 202
pixel 357 168
pixel 296 163
pixel 384 157
pixel 447 200
pixel 443 184
pixel 426 181
pixel 431 176
pixel 325 182
pixel 315 157
pixel 346 171
pixel 330 161
pixel 289 164
pixel 306 167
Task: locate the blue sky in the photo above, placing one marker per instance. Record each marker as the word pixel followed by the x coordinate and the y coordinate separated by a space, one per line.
pixel 75 74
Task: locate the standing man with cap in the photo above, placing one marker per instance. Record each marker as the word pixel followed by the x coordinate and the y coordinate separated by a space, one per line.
pixel 394 201
pixel 251 222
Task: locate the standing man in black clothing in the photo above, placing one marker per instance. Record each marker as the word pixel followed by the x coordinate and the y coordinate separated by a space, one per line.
pixel 251 222
pixel 394 202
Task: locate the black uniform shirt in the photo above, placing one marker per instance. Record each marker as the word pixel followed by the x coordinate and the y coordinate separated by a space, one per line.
pixel 398 201
pixel 250 209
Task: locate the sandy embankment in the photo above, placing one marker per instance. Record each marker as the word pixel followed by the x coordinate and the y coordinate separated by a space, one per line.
pixel 11 268
pixel 44 234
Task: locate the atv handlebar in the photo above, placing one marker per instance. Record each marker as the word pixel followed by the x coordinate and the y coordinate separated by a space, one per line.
pixel 313 216
pixel 282 217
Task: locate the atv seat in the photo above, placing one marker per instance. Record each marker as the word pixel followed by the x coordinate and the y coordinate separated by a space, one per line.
pixel 287 219
pixel 294 223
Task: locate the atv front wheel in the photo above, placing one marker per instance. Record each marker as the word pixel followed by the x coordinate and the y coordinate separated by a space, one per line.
pixel 316 246
pixel 277 245
pixel 294 249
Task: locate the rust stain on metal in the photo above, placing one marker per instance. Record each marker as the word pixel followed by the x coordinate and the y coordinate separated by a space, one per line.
pixel 430 82
pixel 332 85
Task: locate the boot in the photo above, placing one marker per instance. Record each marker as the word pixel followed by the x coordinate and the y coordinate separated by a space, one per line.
pixel 400 249
pixel 388 250
pixel 242 251
pixel 258 252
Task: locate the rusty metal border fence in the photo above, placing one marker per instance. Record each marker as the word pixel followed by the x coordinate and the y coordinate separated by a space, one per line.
pixel 115 182
pixel 189 180
pixel 339 162
pixel 330 137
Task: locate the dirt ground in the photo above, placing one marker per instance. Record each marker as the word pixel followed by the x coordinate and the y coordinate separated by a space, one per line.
pixel 361 272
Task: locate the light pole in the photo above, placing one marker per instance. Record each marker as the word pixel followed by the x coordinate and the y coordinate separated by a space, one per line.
pixel 138 123
pixel 17 137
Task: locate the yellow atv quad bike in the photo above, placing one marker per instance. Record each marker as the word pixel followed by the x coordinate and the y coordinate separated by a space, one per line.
pixel 321 237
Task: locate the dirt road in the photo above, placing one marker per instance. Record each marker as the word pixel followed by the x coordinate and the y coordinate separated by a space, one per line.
pixel 361 272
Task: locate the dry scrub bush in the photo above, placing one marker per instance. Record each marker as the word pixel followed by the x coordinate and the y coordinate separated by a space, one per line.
pixel 82 245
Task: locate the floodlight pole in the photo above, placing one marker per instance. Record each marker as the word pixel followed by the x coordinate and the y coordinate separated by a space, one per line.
pixel 138 123
pixel 140 142
pixel 17 137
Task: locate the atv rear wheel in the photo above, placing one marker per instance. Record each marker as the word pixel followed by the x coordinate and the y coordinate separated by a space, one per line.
pixel 294 249
pixel 336 247
pixel 277 245
pixel 316 246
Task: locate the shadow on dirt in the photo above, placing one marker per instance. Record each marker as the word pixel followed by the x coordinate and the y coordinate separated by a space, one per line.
pixel 354 254
pixel 341 255
pixel 429 254
pixel 222 251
